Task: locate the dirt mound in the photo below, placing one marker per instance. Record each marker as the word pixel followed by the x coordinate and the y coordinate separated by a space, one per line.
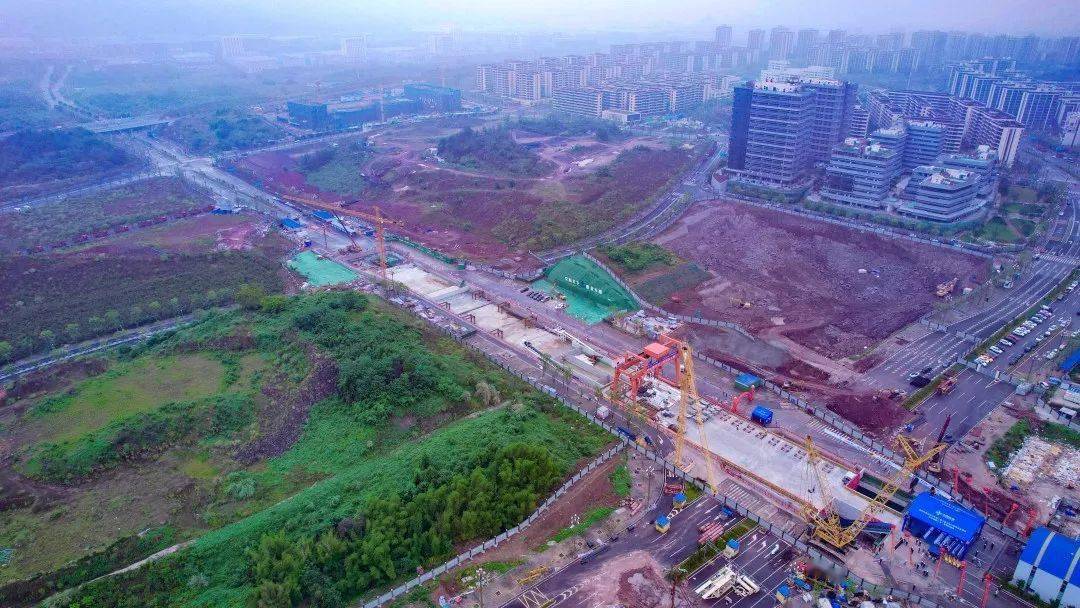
pixel 838 289
pixel 18 492
pixel 284 412
pixel 871 412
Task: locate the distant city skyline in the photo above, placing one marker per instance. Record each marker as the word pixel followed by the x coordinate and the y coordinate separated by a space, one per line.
pixel 175 18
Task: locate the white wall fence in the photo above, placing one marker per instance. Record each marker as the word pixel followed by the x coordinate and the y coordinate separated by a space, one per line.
pixel 491 543
pixel 825 415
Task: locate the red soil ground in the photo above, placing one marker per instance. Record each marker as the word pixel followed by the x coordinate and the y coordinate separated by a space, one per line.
pixel 490 218
pixel 802 276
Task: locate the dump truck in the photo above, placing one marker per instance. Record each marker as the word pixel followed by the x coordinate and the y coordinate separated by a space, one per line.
pixel 946 385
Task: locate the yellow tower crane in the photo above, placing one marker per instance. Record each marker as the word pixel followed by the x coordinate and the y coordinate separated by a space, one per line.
pixel 377 220
pixel 826 522
pixel 688 394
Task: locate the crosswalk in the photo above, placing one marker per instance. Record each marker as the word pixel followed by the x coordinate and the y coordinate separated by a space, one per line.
pixel 1063 259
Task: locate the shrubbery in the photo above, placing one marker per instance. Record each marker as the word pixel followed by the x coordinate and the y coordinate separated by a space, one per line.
pixel 33 156
pixel 493 149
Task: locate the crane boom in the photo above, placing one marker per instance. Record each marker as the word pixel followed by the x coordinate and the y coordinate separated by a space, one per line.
pixel 827 525
pixel 377 219
pixel 688 394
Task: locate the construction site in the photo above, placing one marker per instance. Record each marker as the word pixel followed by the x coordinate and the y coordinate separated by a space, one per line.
pixel 475 212
pixel 807 284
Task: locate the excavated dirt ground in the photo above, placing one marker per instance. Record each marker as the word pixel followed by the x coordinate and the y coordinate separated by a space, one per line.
pixel 490 218
pixel 802 277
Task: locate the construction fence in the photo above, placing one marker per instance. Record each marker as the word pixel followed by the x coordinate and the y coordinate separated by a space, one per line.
pixel 850 430
pixel 566 395
pixel 656 309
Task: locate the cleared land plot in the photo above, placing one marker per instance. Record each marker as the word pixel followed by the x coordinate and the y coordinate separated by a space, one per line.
pixel 483 215
pixel 137 277
pixel 802 278
pixel 58 223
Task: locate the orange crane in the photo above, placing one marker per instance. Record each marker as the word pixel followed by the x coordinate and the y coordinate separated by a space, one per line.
pixel 377 220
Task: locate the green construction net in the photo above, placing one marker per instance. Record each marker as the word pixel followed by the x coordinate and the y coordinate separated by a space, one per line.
pixel 321 271
pixel 591 293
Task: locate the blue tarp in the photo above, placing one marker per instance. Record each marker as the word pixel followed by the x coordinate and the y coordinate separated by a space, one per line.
pixel 1071 361
pixel 323 215
pixel 290 224
pixel 947 516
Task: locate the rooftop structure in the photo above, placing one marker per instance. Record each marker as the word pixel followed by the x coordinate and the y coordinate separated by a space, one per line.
pixel 1049 568
pixel 861 172
pixel 941 194
pixel 943 524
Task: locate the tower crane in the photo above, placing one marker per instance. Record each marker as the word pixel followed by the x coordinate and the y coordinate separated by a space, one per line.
pixel 377 220
pixel 826 522
pixel 688 394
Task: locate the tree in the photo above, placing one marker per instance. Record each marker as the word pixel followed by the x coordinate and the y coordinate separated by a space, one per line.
pixel 250 296
pixel 174 305
pixel 112 318
pixel 48 337
pixel 136 314
pixel 154 309
pixel 5 350
pixel 72 330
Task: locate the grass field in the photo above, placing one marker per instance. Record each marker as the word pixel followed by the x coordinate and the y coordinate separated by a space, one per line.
pixel 127 389
pixel 294 420
pixel 998 231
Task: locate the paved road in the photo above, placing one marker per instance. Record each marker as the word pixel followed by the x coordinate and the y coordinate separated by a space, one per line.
pixel 695 185
pixel 976 395
pixel 35 363
pixel 569 587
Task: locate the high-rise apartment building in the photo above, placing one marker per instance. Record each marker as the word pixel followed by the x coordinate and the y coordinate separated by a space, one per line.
pixel 354 48
pixel 805 41
pixel 782 126
pixel 723 36
pixel 755 40
pixel 781 43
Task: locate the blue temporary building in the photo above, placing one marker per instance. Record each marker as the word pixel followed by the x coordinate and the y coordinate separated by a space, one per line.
pixel 1049 567
pixel 745 381
pixel 942 523
pixel 1071 361
pixel 290 224
pixel 325 216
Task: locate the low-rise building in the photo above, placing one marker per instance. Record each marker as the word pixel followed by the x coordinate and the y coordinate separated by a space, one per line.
pixel 939 194
pixel 1049 567
pixel 861 172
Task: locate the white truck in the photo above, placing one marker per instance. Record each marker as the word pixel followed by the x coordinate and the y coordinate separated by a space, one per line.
pixel 603 412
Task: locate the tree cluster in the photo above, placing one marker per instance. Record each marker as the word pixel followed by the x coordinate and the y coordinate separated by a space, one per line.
pixel 396 535
pixel 493 149
pixel 33 156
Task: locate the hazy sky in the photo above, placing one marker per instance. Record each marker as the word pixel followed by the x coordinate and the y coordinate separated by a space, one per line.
pixel 186 17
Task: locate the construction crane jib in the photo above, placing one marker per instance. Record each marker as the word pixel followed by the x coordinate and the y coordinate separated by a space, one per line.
pixel 826 522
